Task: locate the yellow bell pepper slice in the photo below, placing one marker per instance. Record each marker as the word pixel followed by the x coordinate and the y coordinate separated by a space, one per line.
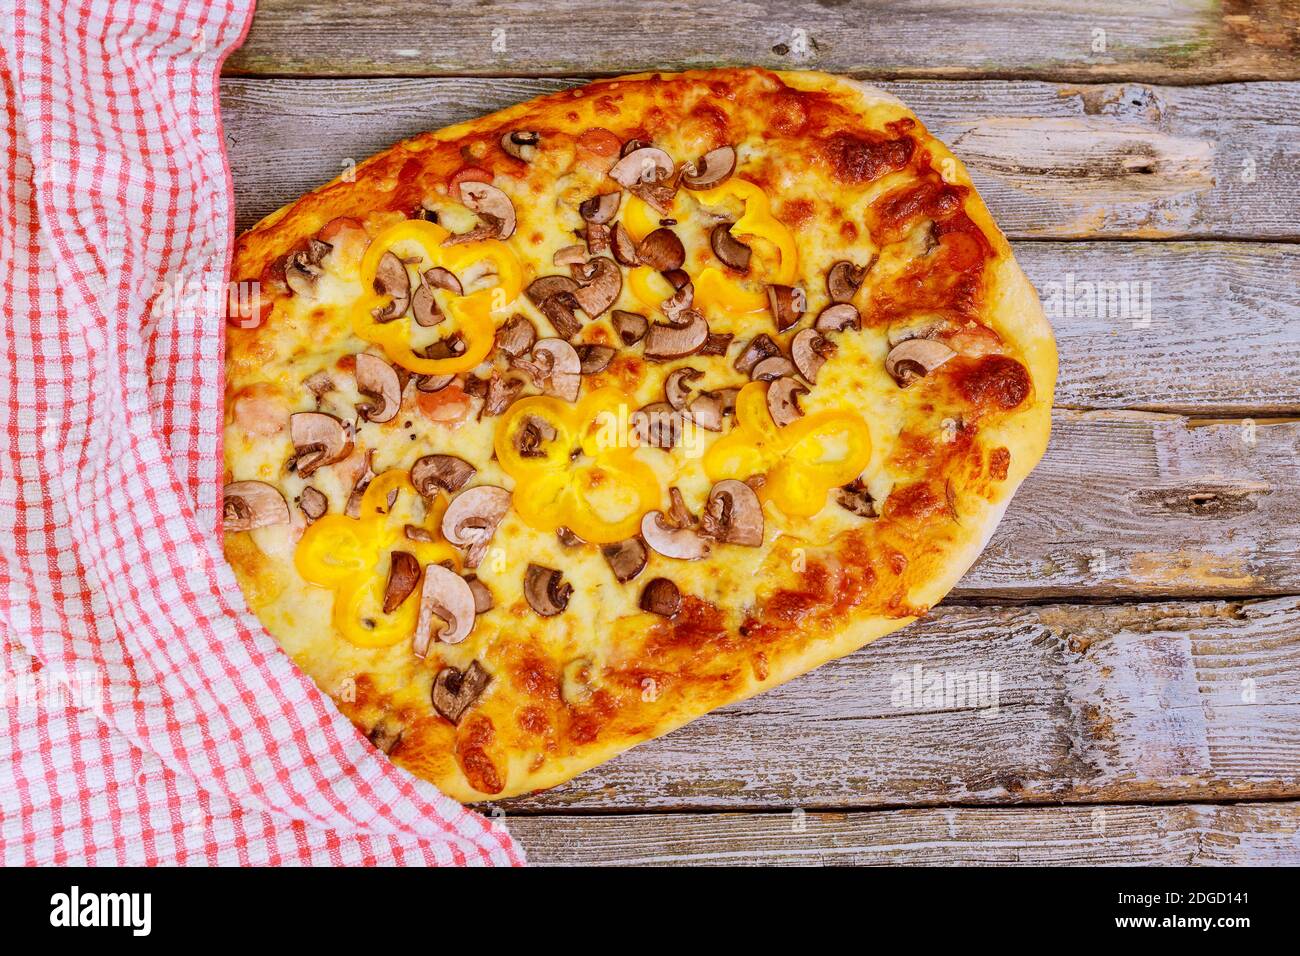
pixel 640 218
pixel 715 288
pixel 569 480
pixel 344 554
pixel 802 461
pixel 471 313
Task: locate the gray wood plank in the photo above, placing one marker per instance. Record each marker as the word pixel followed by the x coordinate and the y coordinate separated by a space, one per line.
pixel 1127 504
pixel 1185 835
pixel 1052 161
pixel 1176 40
pixel 1111 703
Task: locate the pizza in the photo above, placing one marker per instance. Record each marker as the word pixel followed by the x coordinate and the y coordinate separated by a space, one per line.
pixel 551 431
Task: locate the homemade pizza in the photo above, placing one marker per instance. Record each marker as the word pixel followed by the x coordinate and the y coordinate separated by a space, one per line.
pixel 554 430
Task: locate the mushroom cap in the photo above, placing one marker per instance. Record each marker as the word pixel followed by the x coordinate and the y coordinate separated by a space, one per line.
pixel 403 576
pixel 600 208
pixel 521 144
pixel 471 519
pixel 455 691
pixel 786 304
pixel 318 439
pixel 252 504
pixel 376 379
pixel 734 514
pixel 685 544
pixel 557 367
pixel 660 596
pixel 595 358
pixel 783 400
pixel 392 279
pixel 546 590
pixel 434 473
pixel 488 201
pixel 670 341
pixel 601 282
pixel 772 368
pixel 837 318
pixel 516 336
pixel 677 386
pixel 733 253
pixel 710 169
pixel 760 347
pixel 809 350
pixel 843 279
pixel 915 358
pixel 626 558
pixel 662 250
pixel 630 326
pixel 447 597
pixel 646 164
pixel 623 246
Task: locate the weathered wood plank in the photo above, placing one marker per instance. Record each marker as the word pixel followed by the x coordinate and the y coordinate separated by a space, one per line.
pixel 1052 161
pixel 1140 505
pixel 1185 835
pixel 1177 40
pixel 1111 703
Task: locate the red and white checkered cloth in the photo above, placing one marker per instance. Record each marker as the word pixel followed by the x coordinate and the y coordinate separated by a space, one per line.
pixel 150 719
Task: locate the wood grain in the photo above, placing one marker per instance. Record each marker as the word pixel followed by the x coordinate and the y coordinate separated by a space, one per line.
pixel 1127 504
pixel 1112 703
pixel 1182 41
pixel 1187 835
pixel 1052 161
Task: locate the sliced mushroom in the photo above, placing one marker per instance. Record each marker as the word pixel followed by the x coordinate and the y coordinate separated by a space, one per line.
pixel 600 209
pixel 626 558
pixel 313 503
pixel 631 327
pixel 570 255
pixel 434 473
pixel 809 349
pixel 546 590
pixel 403 576
pixel 733 514
pixel 555 367
pixel 844 279
pixel 622 245
pixel 660 596
pixel 377 380
pixel 501 392
pixel 855 498
pixel 647 164
pixel 915 358
pixel 783 400
pixel 669 341
pixel 677 386
pixel 707 411
pixel 786 304
pixel 837 318
pixel 471 520
pixel 391 279
pixel 521 144
pixel 483 601
pixel 353 507
pixel 491 204
pixel 516 336
pixel 710 169
pixel 770 369
pixel 662 250
pixel 534 431
pixel 424 306
pixel 733 253
pixel 595 358
pixel 561 311
pixel 657 425
pixel 681 300
pixel 252 504
pixel 455 692
pixel 684 543
pixel 319 439
pixel 717 343
pixel 447 604
pixel 567 538
pixel 539 290
pixel 602 281
pixel 760 347
pixel 303 268
pixel 598 240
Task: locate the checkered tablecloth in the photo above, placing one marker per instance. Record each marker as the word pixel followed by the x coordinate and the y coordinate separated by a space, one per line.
pixel 150 719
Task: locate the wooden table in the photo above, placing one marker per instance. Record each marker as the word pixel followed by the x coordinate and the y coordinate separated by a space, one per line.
pixel 1141 601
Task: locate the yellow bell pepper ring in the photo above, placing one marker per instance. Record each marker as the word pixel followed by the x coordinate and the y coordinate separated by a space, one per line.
pixel 345 555
pixel 471 313
pixel 802 461
pixel 574 466
pixel 715 288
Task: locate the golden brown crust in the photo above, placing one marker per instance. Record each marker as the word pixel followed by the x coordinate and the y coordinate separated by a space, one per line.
pixel 851 174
